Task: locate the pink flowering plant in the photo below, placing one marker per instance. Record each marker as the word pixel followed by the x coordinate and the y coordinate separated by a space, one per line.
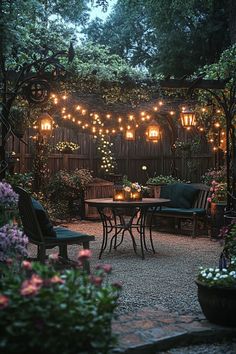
pixel 218 192
pixel 45 310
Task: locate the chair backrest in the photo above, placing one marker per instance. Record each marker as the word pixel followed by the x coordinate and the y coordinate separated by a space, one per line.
pixel 28 216
pixel 204 193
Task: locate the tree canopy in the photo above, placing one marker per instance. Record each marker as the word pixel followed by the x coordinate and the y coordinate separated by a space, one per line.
pixel 167 36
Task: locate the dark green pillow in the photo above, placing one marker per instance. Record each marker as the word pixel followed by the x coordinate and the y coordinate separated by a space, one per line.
pixel 181 195
pixel 43 219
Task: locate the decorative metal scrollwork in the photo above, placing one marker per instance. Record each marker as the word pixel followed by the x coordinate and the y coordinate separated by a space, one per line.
pixel 37 91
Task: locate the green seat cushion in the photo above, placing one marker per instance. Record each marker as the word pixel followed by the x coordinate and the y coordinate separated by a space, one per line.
pixel 43 219
pixel 63 233
pixel 182 211
pixel 181 195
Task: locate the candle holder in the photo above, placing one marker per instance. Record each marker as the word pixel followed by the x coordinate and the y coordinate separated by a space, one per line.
pixel 119 193
pixel 135 196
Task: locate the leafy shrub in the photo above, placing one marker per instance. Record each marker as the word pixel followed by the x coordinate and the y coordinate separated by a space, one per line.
pixel 65 189
pixel 162 180
pixel 43 310
pixel 24 180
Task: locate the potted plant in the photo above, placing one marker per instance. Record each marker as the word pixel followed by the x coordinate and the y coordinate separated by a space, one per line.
pixel 217 285
pixel 155 183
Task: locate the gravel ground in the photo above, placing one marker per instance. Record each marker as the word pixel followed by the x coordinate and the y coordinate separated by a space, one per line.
pixel 217 348
pixel 165 278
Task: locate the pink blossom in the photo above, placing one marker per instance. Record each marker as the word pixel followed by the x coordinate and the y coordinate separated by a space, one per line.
pixel 36 280
pixel 26 265
pixel 57 280
pixel 214 183
pixel 107 268
pixel 84 254
pixel 96 280
pixel 4 301
pixel 31 289
pixel 209 200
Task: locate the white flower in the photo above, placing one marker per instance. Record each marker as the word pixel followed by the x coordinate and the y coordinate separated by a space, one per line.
pixel 209 275
pixel 232 273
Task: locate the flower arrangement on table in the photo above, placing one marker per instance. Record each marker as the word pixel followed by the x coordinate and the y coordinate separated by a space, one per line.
pixel 218 192
pixel 43 309
pixel 66 146
pixel 128 191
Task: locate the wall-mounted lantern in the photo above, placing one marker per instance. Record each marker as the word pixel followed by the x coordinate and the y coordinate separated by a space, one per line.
pixel 188 118
pixel 45 125
pixel 153 131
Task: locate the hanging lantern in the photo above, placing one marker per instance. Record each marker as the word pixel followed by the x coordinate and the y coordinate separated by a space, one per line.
pixel 130 134
pixel 153 131
pixel 188 119
pixel 45 123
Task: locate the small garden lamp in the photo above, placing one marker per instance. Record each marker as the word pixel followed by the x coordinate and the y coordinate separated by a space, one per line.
pixel 188 118
pixel 153 131
pixel 45 122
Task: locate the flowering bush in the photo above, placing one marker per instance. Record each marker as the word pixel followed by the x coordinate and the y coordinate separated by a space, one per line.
pixel 8 203
pixel 12 242
pixel 214 175
pixel 218 192
pixel 66 145
pixel 43 310
pixel 225 274
pixel 8 198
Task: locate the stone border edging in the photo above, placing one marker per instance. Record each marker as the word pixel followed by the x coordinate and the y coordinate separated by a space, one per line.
pixel 150 330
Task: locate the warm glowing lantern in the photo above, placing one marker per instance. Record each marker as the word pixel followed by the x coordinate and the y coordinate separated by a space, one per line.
pixel 45 123
pixel 119 193
pixel 130 134
pixel 188 118
pixel 153 131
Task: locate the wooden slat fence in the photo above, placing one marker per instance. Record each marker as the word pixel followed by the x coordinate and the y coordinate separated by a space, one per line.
pixel 130 156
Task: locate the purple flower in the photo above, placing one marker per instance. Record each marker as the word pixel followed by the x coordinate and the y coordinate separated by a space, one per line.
pixel 12 241
pixel 8 198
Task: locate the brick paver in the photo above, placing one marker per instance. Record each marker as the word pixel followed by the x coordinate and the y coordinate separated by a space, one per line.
pixel 150 330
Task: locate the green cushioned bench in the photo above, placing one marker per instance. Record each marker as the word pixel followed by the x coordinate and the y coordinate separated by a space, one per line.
pixel 187 201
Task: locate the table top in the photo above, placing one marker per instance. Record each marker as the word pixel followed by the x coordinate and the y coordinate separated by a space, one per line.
pixel 138 203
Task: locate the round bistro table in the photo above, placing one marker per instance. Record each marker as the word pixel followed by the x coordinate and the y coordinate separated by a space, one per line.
pixel 117 222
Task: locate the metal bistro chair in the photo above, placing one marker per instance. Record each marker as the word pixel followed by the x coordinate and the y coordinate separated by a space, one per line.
pixel 63 236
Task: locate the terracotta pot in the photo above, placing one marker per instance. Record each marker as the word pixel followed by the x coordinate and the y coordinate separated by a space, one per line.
pixel 218 303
